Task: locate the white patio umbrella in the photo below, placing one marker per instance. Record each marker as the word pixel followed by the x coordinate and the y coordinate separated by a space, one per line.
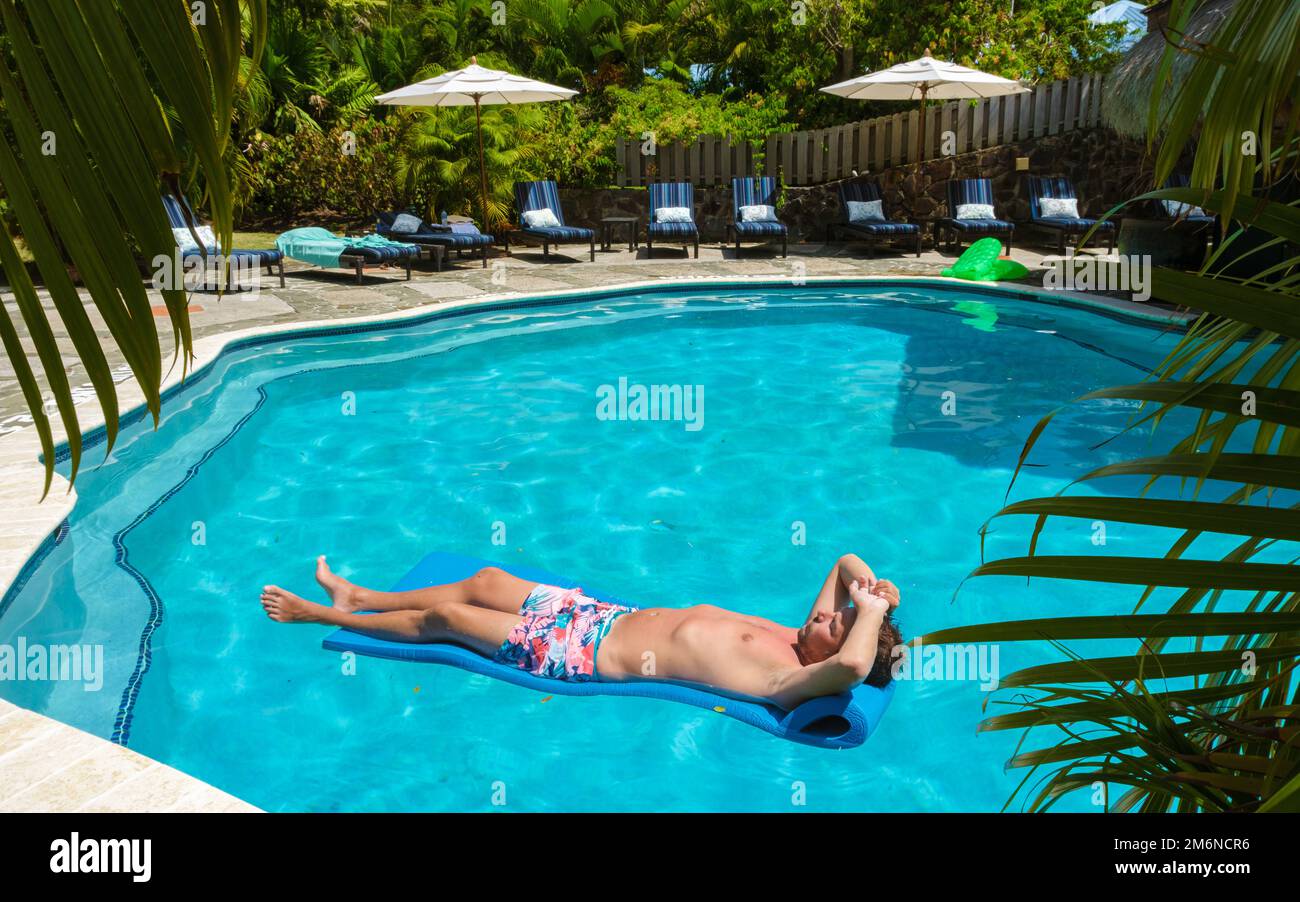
pixel 475 85
pixel 925 79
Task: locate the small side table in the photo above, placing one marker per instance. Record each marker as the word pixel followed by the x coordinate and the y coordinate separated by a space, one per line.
pixel 608 224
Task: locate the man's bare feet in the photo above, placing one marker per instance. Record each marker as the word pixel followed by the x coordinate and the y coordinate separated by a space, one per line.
pixel 285 607
pixel 344 596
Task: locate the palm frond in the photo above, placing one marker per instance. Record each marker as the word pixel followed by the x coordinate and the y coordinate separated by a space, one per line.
pixel 1222 734
pixel 93 150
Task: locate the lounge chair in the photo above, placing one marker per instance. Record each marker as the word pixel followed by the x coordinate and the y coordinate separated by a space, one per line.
pixel 531 197
pixel 970 191
pixel 454 236
pixel 1061 188
pixel 873 231
pixel 321 247
pixel 181 216
pixel 1182 180
pixel 1187 222
pixel 752 192
pixel 672 195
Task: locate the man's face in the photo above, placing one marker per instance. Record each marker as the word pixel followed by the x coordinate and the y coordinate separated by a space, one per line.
pixel 824 633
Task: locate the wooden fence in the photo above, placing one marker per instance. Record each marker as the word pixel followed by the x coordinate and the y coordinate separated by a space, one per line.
pixel 829 154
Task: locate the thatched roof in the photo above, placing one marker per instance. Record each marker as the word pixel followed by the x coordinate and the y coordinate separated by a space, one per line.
pixel 1128 86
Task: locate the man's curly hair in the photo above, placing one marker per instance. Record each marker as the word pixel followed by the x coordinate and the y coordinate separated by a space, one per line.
pixel 890 637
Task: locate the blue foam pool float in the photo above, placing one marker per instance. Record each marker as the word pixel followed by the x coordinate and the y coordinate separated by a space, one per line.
pixel 841 721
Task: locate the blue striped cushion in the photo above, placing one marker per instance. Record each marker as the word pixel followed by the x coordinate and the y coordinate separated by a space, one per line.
pixel 883 228
pixel 1073 225
pixel 252 257
pixel 860 190
pixel 451 239
pixel 381 254
pixel 177 208
pixel 542 195
pixel 982 225
pixel 865 190
pixel 968 191
pixel 442 239
pixel 671 194
pixel 669 229
pixel 563 233
pixel 760 228
pixel 455 235
pixel 447 239
pixel 749 192
pixel 1048 187
pixel 258 257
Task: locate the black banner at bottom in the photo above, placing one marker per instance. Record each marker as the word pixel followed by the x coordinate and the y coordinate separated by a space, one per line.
pixel 336 852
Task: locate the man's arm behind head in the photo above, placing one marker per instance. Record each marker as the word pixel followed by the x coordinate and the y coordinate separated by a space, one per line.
pixel 866 656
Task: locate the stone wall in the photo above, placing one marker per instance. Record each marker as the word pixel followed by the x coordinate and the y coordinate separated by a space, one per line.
pixel 1106 168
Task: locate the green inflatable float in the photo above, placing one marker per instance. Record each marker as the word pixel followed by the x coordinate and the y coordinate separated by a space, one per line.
pixel 981 262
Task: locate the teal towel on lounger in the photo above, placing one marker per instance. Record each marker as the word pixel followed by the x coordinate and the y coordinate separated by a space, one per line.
pixel 321 247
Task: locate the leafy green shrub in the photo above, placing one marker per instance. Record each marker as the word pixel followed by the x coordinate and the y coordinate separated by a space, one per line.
pixel 310 171
pixel 580 151
pixel 675 115
pixel 572 148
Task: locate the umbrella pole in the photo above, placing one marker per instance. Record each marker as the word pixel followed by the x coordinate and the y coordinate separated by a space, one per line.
pixel 482 168
pixel 920 141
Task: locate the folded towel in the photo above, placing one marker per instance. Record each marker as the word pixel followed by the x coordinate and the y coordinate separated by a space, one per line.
pixel 321 247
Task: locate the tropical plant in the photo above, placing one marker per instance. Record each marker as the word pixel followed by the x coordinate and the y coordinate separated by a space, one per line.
pixel 293 63
pixel 663 107
pixel 580 149
pixel 390 57
pixel 107 101
pixel 1203 714
pixel 566 39
pixel 341 175
pixel 439 160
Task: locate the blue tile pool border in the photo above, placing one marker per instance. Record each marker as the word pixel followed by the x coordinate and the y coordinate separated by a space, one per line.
pixel 144 650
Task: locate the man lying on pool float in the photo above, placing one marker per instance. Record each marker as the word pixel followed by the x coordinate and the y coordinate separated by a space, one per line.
pixel 848 638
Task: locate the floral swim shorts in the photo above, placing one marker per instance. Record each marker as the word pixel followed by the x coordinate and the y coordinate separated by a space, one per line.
pixel 559 634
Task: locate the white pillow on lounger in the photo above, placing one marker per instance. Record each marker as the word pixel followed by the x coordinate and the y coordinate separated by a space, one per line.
pixel 1176 209
pixel 185 240
pixel 405 224
pixel 975 211
pixel 541 219
pixel 758 213
pixel 673 214
pixel 865 211
pixel 1058 207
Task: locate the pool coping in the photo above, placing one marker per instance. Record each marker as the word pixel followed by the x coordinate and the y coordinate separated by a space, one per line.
pixel 48 766
pixel 33 527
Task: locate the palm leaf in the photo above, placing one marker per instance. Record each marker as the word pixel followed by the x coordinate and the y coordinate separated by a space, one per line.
pixel 1136 626
pixel 75 76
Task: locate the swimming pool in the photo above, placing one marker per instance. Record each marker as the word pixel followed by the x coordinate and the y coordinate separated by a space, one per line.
pixel 879 419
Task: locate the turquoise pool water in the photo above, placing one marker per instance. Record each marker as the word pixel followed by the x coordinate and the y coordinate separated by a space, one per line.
pixel 824 420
